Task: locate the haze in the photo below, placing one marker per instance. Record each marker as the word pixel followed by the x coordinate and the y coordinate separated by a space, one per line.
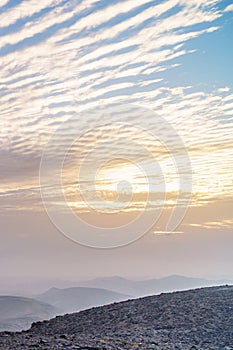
pixel 63 59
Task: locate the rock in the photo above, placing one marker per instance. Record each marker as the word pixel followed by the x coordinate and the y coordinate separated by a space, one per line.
pixel 200 319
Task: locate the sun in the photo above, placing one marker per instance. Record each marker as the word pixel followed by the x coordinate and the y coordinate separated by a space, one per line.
pixel 121 176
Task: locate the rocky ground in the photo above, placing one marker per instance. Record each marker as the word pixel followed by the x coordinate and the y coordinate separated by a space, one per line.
pixel 195 319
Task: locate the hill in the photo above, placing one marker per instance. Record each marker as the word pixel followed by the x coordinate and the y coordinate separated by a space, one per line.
pixel 79 298
pixel 196 319
pixel 150 286
pixel 17 313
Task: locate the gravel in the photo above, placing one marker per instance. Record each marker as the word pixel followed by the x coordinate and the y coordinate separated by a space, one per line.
pixel 195 319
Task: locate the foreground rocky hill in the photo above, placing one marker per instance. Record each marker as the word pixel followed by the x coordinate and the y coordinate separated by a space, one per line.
pixel 195 319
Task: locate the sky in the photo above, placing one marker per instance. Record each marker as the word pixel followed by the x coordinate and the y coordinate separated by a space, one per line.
pixel 116 132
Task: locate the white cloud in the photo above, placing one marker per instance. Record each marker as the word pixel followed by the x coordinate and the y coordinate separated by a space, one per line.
pixel 49 81
pixel 23 10
pixel 224 89
pixel 4 2
pixel 229 8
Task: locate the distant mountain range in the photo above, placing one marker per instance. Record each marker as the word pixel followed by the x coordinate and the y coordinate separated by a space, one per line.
pixel 17 313
pixel 79 298
pixel 151 286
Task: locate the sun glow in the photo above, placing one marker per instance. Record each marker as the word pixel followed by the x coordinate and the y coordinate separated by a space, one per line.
pixel 124 177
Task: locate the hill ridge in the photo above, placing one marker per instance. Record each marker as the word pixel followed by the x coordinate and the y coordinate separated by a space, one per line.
pixel 195 319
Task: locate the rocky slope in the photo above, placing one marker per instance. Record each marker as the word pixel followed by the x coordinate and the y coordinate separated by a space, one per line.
pixel 196 319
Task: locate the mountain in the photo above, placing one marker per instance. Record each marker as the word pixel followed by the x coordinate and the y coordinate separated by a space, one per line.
pixel 198 319
pixel 79 298
pixel 17 313
pixel 151 286
pixel 115 283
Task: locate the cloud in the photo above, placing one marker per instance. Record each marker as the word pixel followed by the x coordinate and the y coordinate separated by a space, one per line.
pixel 13 14
pixel 4 2
pixel 224 89
pixel 229 8
pixel 213 225
pixel 162 233
pixel 63 60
